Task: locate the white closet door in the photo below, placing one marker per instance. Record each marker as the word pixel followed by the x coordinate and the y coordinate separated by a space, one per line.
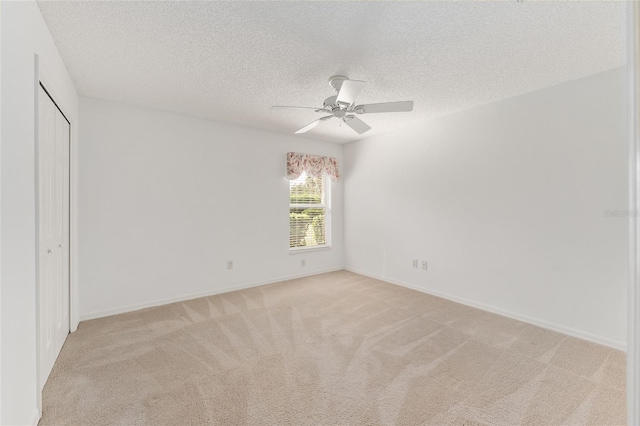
pixel 61 226
pixel 53 244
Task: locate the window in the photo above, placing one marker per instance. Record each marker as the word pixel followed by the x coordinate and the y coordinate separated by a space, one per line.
pixel 309 212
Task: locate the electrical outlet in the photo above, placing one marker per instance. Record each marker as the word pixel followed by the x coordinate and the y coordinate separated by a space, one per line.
pixel 229 264
pixel 415 263
pixel 424 264
pixel 303 262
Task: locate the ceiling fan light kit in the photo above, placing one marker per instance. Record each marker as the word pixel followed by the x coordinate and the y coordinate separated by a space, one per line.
pixel 343 106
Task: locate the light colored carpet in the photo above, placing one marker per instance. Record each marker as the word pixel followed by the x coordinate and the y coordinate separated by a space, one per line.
pixel 332 349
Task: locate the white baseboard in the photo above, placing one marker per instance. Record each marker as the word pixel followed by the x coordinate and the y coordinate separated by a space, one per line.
pixel 181 298
pixel 35 418
pixel 524 318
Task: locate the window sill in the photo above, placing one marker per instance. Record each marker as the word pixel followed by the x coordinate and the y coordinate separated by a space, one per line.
pixel 299 250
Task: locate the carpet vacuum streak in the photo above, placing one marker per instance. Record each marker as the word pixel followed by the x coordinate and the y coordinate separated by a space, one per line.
pixel 331 349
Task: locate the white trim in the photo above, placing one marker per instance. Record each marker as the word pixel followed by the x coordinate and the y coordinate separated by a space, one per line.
pixel 298 250
pixel 633 290
pixel 524 318
pixel 37 227
pixel 0 233
pixel 181 298
pixel 35 418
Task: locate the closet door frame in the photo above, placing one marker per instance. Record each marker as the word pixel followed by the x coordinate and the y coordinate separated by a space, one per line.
pixel 44 78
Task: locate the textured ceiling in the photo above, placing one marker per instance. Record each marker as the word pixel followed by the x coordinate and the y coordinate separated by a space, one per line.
pixel 230 61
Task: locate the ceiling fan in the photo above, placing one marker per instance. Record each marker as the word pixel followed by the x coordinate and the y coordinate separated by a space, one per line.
pixel 343 105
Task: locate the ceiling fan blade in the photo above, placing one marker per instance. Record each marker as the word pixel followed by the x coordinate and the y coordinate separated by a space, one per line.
pixel 349 91
pixel 402 106
pixel 356 124
pixel 295 107
pixel 313 124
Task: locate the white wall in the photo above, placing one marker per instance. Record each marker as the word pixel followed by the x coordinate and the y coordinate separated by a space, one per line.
pixel 507 204
pixel 23 35
pixel 166 200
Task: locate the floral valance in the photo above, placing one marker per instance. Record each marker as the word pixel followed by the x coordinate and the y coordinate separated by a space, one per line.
pixel 314 165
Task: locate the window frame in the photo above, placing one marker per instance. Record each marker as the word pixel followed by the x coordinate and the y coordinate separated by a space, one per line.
pixel 326 206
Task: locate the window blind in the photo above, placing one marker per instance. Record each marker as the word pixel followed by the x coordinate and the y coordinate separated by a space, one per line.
pixel 309 212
